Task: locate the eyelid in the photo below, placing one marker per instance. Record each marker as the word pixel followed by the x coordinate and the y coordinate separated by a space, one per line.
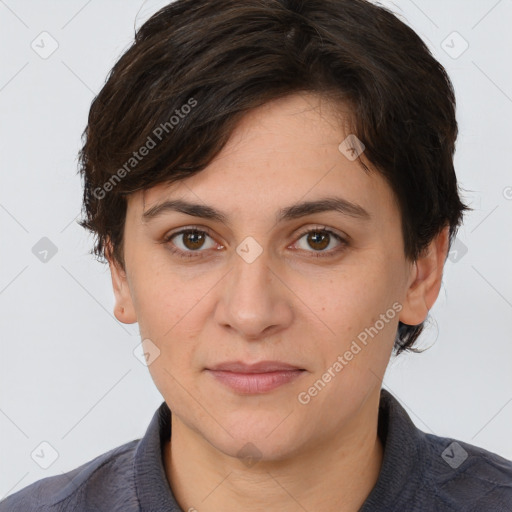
pixel 321 227
pixel 178 231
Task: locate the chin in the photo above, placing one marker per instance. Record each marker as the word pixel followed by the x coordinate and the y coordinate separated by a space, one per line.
pixel 266 439
pixel 257 450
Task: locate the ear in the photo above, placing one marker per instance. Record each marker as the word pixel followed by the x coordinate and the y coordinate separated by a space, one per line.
pixel 123 308
pixel 425 281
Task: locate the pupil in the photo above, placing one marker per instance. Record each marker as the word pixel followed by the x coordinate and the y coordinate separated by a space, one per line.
pixel 317 237
pixel 195 239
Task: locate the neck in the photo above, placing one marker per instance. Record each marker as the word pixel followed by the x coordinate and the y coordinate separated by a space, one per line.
pixel 335 475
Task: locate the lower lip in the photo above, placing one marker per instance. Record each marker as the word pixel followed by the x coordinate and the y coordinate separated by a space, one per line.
pixel 254 383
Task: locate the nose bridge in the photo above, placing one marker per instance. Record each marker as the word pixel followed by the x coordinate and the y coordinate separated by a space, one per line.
pixel 252 274
pixel 254 299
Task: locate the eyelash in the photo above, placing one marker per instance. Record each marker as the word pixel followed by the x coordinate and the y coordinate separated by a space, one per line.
pixel 194 254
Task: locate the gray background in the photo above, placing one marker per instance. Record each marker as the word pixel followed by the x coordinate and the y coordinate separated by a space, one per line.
pixel 68 375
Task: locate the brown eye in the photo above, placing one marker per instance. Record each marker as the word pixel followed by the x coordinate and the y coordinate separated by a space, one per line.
pixel 190 241
pixel 193 240
pixel 318 240
pixel 321 242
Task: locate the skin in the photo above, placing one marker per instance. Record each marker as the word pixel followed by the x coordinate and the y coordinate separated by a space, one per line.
pixel 287 305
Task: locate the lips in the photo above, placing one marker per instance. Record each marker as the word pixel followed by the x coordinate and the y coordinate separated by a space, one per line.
pixel 260 367
pixel 261 377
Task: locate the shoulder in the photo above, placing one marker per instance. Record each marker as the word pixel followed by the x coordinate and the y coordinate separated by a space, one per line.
pixel 103 481
pixel 467 478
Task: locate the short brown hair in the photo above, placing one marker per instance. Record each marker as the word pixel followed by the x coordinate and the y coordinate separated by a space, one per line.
pixel 197 66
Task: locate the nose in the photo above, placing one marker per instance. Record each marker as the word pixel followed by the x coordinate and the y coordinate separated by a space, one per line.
pixel 254 302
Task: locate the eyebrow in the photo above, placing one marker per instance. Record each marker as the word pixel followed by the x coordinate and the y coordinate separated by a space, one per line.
pixel 295 211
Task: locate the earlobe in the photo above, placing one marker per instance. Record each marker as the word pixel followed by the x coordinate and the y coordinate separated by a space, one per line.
pixel 425 281
pixel 123 307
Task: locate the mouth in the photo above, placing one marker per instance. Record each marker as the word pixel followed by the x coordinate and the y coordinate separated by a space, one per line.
pixel 256 378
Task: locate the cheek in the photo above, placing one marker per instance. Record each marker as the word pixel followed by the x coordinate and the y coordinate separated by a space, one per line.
pixel 172 311
pixel 361 309
pixel 349 301
pixel 164 300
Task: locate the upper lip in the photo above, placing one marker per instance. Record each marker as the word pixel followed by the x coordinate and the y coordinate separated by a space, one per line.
pixel 260 367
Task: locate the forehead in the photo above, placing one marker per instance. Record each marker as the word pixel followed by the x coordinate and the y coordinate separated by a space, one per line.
pixel 279 154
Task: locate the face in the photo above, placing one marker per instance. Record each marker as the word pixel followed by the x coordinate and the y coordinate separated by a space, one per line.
pixel 267 279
